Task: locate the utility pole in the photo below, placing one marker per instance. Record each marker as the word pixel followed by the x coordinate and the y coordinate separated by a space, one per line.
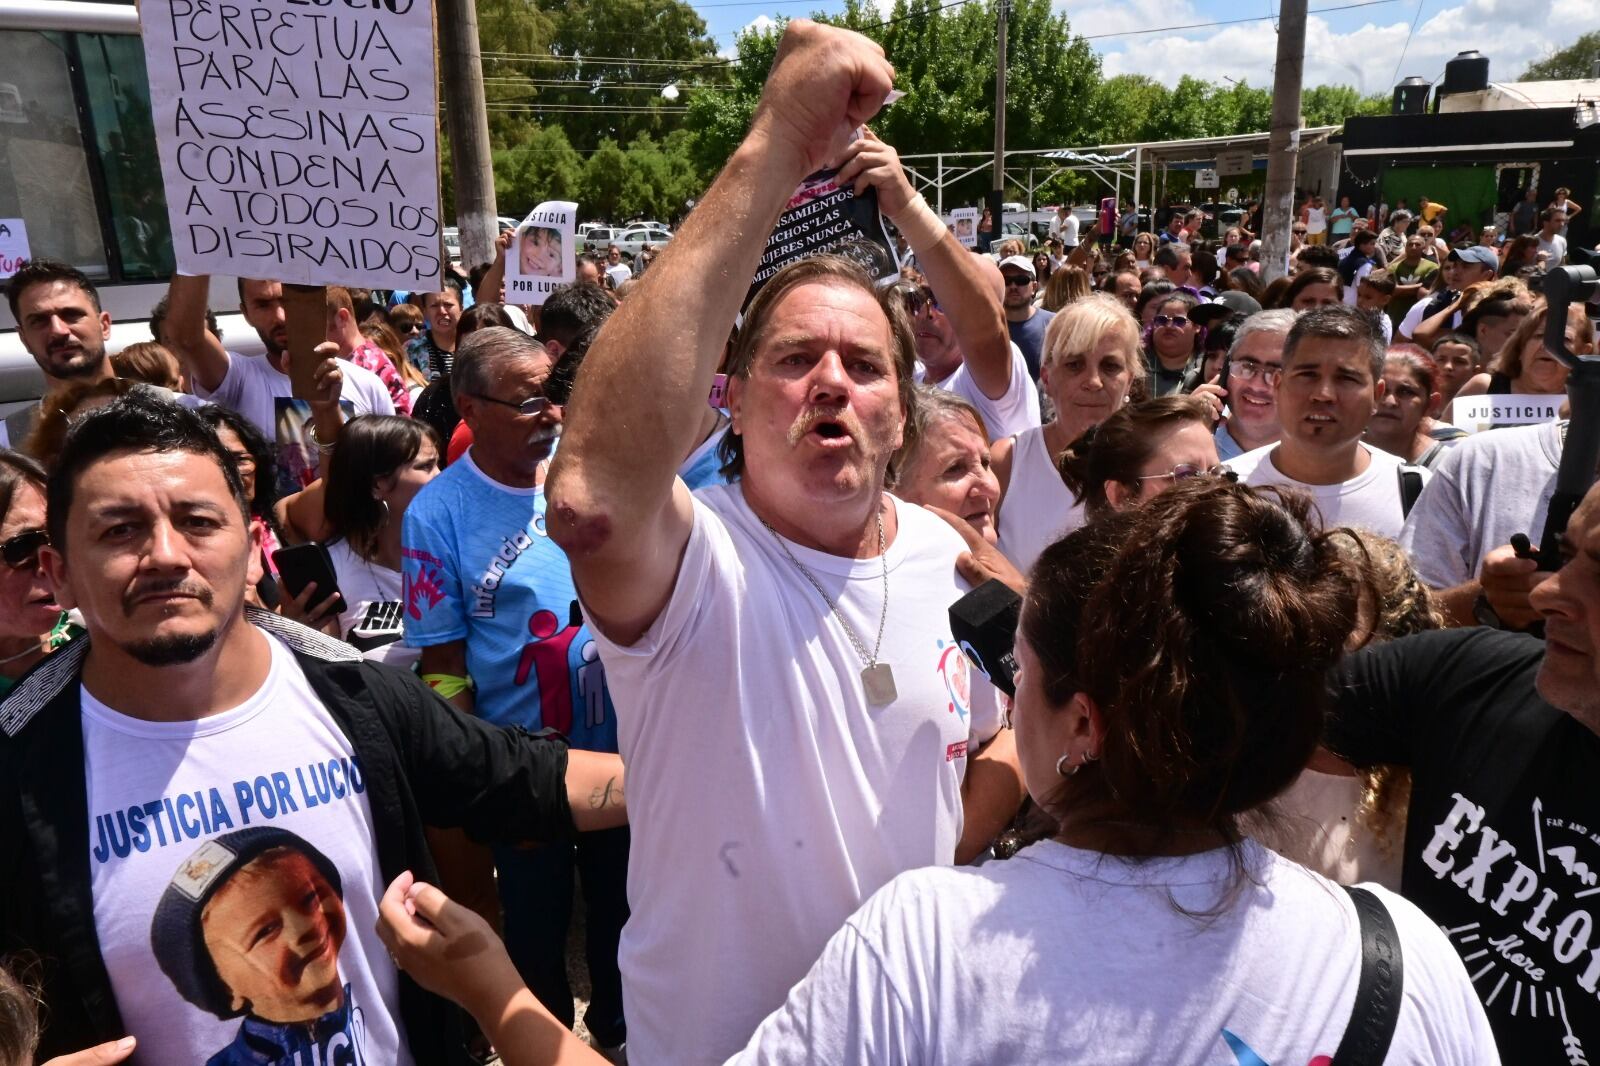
pixel 1283 142
pixel 997 194
pixel 467 119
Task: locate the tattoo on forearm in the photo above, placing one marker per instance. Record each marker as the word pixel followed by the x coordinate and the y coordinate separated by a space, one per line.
pixel 607 795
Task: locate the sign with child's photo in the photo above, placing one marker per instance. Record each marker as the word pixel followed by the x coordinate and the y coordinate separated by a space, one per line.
pixel 543 256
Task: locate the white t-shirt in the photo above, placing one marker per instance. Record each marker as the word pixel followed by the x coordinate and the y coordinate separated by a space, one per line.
pixel 1418 312
pixel 1555 248
pixel 363 582
pixel 1069 231
pixel 1037 509
pixel 253 387
pixel 244 837
pixel 1012 413
pixel 766 797
pixel 1483 490
pixel 263 395
pixel 1370 500
pixel 1316 220
pixel 1067 956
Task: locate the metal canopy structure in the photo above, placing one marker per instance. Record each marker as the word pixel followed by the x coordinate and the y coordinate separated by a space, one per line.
pixel 1116 165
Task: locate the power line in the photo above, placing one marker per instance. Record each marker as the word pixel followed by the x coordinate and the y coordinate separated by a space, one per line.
pixel 636 61
pixel 1414 20
pixel 1230 22
pixel 584 109
pixel 602 85
pixel 911 15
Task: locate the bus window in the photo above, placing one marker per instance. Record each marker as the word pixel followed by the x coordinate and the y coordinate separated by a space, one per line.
pixel 44 174
pixel 125 141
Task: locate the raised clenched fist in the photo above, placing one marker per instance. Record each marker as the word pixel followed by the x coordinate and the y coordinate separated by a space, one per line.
pixel 824 83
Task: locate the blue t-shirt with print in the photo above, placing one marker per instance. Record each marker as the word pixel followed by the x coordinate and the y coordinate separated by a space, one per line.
pixel 479 566
pixel 704 465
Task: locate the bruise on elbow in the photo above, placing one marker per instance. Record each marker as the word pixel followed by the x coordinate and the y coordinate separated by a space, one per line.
pixel 578 534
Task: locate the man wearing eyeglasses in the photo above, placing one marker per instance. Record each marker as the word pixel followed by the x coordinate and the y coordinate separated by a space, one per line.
pixel 489 600
pixel 1328 391
pixel 1254 365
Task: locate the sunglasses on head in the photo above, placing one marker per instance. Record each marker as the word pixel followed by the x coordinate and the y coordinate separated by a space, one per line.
pixel 21 552
pixel 1185 471
pixel 917 297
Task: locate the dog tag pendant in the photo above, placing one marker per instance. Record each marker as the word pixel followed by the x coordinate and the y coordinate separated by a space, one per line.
pixel 878 680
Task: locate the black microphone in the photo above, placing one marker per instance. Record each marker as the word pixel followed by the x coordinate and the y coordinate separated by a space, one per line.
pixel 984 623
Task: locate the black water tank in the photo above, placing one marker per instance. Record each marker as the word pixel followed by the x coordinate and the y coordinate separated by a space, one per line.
pixel 1468 72
pixel 1410 97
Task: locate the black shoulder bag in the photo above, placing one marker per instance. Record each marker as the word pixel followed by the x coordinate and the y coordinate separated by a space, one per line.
pixel 1377 1007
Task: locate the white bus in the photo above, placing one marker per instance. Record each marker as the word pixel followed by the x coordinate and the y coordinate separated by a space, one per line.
pixel 78 165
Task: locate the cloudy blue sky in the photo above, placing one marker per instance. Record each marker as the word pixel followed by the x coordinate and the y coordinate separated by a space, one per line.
pixel 1360 46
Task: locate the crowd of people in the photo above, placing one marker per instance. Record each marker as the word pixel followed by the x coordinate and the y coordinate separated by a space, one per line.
pixel 329 677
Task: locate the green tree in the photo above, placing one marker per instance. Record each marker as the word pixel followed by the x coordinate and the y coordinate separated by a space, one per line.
pixel 1577 60
pixel 594 67
pixel 604 178
pixel 1330 105
pixel 540 166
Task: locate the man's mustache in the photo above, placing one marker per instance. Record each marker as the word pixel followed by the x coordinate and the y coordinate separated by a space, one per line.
pixel 810 418
pixel 181 587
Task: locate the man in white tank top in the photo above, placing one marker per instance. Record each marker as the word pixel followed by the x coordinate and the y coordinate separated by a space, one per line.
pixel 797 721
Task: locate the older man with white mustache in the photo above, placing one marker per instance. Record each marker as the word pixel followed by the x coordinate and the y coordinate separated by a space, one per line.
pixel 796 719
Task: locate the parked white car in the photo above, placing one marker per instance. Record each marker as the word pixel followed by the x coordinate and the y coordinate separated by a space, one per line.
pixel 633 239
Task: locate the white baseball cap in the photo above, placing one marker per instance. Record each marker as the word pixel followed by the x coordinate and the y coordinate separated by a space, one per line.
pixel 1022 263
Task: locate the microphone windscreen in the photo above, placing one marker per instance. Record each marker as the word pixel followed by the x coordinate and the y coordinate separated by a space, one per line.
pixel 984 624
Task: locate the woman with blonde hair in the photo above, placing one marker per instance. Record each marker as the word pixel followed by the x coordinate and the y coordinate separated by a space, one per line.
pixel 1144 249
pixel 1065 285
pixel 1089 368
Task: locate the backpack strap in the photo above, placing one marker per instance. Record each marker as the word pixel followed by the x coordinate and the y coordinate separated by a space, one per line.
pixel 1410 488
pixel 1376 1012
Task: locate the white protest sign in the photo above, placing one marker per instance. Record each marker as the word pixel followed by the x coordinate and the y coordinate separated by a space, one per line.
pixel 826 217
pixel 13 245
pixel 964 222
pixel 1478 413
pixel 543 256
pixel 297 138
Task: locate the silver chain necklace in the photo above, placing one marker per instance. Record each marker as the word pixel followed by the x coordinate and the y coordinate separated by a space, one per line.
pixel 876 677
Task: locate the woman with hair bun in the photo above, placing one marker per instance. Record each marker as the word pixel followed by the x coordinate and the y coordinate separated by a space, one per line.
pixel 1173 661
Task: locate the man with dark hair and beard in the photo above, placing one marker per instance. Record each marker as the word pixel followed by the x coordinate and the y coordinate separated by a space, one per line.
pixel 185 722
pixel 61 323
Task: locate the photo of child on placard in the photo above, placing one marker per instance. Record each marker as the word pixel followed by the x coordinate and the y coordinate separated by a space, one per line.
pixel 543 256
pixel 964 224
pixel 539 251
